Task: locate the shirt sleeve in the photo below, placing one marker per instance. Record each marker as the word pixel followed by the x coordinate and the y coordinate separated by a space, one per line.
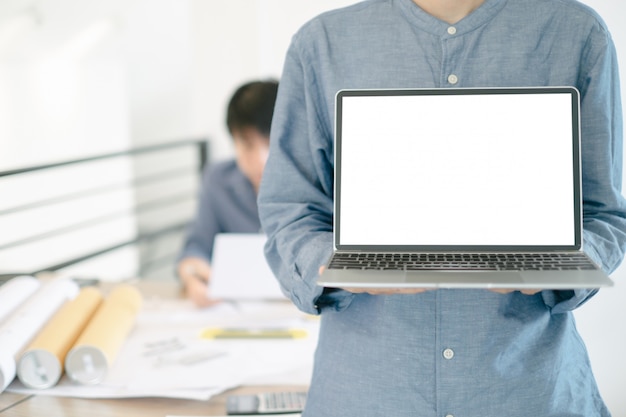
pixel 604 207
pixel 205 224
pixel 296 194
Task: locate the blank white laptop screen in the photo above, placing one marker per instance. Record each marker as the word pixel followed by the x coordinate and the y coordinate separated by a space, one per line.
pixel 467 170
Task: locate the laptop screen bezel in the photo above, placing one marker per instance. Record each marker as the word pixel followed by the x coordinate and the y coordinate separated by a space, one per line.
pixel 576 180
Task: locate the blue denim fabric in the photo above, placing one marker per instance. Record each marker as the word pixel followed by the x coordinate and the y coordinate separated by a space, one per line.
pixel 447 352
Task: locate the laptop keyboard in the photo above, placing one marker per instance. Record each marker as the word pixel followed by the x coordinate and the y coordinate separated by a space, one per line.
pixel 462 261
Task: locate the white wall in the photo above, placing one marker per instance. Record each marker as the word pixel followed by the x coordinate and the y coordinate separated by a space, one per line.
pixel 166 70
pixel 52 100
pixel 238 40
pixel 62 96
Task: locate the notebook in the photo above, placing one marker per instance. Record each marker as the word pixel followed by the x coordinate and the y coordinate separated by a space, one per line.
pixel 459 188
pixel 239 270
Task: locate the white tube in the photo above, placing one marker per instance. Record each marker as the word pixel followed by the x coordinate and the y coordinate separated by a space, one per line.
pixel 27 320
pixel 14 292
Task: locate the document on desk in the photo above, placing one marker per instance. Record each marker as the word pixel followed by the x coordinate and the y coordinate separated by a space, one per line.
pixel 166 355
pixel 239 270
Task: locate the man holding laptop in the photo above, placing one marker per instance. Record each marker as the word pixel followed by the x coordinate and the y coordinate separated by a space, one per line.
pixel 447 347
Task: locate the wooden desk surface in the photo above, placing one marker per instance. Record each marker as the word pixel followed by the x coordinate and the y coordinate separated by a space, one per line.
pixel 9 399
pixel 42 405
pixel 18 405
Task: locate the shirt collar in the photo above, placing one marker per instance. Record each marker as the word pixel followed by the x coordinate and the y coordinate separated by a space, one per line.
pixel 431 24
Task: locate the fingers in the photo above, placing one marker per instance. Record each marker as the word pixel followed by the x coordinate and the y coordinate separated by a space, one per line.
pixel 195 274
pixel 198 292
pixel 387 291
pixel 197 268
pixel 531 291
pixel 392 291
pixel 501 290
pixel 202 269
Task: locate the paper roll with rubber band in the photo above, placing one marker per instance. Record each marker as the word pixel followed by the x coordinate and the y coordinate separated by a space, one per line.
pixel 26 321
pixel 96 349
pixel 41 364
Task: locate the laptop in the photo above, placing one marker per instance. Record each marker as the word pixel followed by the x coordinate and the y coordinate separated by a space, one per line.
pixel 459 188
pixel 239 270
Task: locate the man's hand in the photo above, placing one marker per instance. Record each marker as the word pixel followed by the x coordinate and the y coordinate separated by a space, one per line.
pixel 506 291
pixel 387 291
pixel 195 274
pixel 390 291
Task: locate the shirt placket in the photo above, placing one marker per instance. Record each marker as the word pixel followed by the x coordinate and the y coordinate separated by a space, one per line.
pixel 448 354
pixel 450 44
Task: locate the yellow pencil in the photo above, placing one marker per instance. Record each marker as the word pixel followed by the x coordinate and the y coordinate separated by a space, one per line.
pixel 243 333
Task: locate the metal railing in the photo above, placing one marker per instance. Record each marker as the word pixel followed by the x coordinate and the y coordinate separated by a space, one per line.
pixel 135 184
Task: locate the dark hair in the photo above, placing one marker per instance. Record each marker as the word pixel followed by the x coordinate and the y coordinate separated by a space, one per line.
pixel 252 105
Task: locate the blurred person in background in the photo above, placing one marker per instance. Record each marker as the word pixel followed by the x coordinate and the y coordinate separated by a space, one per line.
pixel 227 200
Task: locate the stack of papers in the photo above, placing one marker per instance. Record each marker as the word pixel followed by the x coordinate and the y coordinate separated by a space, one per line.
pixel 168 353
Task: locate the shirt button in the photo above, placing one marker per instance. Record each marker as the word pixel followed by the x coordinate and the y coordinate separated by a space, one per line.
pixel 451 30
pixel 449 415
pixel 453 79
pixel 448 353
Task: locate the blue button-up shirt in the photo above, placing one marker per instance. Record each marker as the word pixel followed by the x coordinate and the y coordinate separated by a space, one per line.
pixel 226 204
pixel 446 352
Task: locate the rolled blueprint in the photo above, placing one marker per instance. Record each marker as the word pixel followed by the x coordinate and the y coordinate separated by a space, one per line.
pixel 14 292
pixel 97 347
pixel 27 320
pixel 41 364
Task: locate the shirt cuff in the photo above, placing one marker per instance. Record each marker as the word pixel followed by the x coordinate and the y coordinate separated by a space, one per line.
pixel 310 297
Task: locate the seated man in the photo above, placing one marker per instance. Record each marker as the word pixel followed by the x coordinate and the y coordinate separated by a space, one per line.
pixel 227 201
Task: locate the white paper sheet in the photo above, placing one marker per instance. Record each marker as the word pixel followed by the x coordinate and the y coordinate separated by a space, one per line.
pixel 239 270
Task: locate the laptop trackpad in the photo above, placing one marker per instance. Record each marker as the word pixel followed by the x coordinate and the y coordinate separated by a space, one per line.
pixel 465 279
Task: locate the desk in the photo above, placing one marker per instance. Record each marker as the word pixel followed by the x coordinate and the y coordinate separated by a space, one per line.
pixel 9 399
pixel 41 405
pixel 19 405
